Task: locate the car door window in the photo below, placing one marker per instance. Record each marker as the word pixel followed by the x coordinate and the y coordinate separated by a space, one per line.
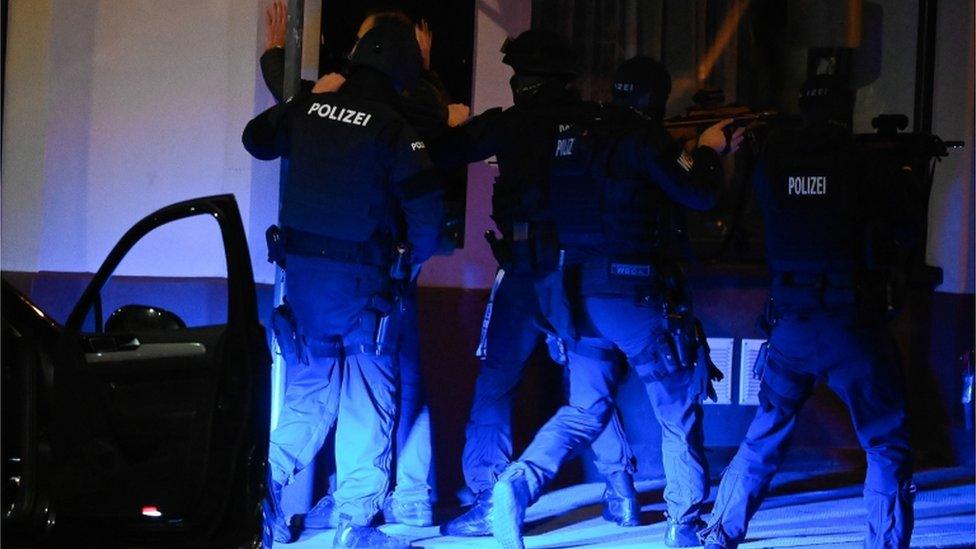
pixel 176 272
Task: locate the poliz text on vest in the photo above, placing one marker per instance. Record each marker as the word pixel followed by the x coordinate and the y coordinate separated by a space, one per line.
pixel 807 185
pixel 340 114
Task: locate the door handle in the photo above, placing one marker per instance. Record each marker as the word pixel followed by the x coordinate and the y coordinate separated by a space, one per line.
pixel 110 343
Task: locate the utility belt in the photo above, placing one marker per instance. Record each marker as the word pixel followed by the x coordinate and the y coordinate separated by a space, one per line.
pixel 833 280
pixel 802 293
pixel 285 240
pixel 528 248
pixel 295 346
pixel 334 348
pixel 646 278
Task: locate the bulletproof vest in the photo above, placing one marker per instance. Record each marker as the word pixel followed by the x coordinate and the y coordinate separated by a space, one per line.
pixel 524 157
pixel 811 203
pixel 596 210
pixel 338 183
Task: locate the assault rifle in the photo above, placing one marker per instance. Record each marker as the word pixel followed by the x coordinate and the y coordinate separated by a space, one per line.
pixel 905 164
pixel 710 109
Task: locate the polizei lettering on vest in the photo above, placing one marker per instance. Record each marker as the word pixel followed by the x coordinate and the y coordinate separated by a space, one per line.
pixel 564 147
pixel 340 114
pixel 806 185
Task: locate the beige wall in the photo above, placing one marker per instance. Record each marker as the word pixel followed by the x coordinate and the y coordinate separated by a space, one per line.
pixel 22 178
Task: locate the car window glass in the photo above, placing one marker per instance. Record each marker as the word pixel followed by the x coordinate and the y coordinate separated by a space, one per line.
pixel 175 276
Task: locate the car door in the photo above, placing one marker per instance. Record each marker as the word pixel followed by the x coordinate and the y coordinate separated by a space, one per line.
pixel 160 430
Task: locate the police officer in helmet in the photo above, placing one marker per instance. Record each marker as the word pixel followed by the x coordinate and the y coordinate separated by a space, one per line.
pixel 521 138
pixel 819 204
pixel 642 84
pixel 361 199
pixel 609 287
pixel 425 110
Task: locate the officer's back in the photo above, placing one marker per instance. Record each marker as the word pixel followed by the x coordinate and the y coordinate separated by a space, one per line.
pixel 520 136
pixel 356 174
pixel 346 151
pixel 811 187
pixel 614 173
pixel 354 164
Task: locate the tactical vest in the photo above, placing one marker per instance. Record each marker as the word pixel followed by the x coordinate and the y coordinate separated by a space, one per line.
pixel 518 194
pixel 599 213
pixel 338 192
pixel 348 210
pixel 812 207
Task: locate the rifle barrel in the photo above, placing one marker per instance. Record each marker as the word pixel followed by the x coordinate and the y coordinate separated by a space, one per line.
pixel 682 122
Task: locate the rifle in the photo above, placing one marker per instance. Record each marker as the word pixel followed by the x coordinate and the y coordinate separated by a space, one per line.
pixel 709 109
pixel 905 162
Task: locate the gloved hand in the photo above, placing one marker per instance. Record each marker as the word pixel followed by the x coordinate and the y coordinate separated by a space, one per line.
pixel 720 139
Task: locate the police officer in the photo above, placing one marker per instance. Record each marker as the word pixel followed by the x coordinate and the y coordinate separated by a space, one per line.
pixel 609 286
pixel 356 171
pixel 425 109
pixel 521 138
pixel 817 201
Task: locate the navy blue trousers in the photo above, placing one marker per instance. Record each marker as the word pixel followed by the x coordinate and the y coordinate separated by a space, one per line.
pixel 513 333
pixel 638 332
pixel 413 436
pixel 857 359
pixel 338 306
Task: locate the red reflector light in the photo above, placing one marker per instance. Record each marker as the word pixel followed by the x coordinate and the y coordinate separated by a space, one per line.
pixel 151 511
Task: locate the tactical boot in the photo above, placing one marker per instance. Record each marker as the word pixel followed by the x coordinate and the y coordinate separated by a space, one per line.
pixel 473 523
pixel 620 500
pixel 323 516
pixel 509 500
pixel 351 535
pixel 684 534
pixel 275 523
pixel 411 513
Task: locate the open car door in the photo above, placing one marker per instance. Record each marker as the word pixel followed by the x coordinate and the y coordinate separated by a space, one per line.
pixel 160 431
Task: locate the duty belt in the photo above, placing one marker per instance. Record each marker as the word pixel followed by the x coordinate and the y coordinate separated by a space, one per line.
pixel 621 268
pixel 839 280
pixel 334 348
pixel 308 244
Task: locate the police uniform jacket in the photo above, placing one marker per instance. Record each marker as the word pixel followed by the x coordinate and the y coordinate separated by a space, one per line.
pixel 614 173
pixel 355 166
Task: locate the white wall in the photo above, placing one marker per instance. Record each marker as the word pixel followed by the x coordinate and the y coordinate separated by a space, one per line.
pixel 115 109
pixel 951 227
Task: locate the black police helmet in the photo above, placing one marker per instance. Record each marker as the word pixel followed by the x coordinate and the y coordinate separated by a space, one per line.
pixel 391 48
pixel 541 52
pixel 640 76
pixel 826 97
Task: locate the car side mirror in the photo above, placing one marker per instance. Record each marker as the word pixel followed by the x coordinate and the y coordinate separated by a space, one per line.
pixel 141 318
